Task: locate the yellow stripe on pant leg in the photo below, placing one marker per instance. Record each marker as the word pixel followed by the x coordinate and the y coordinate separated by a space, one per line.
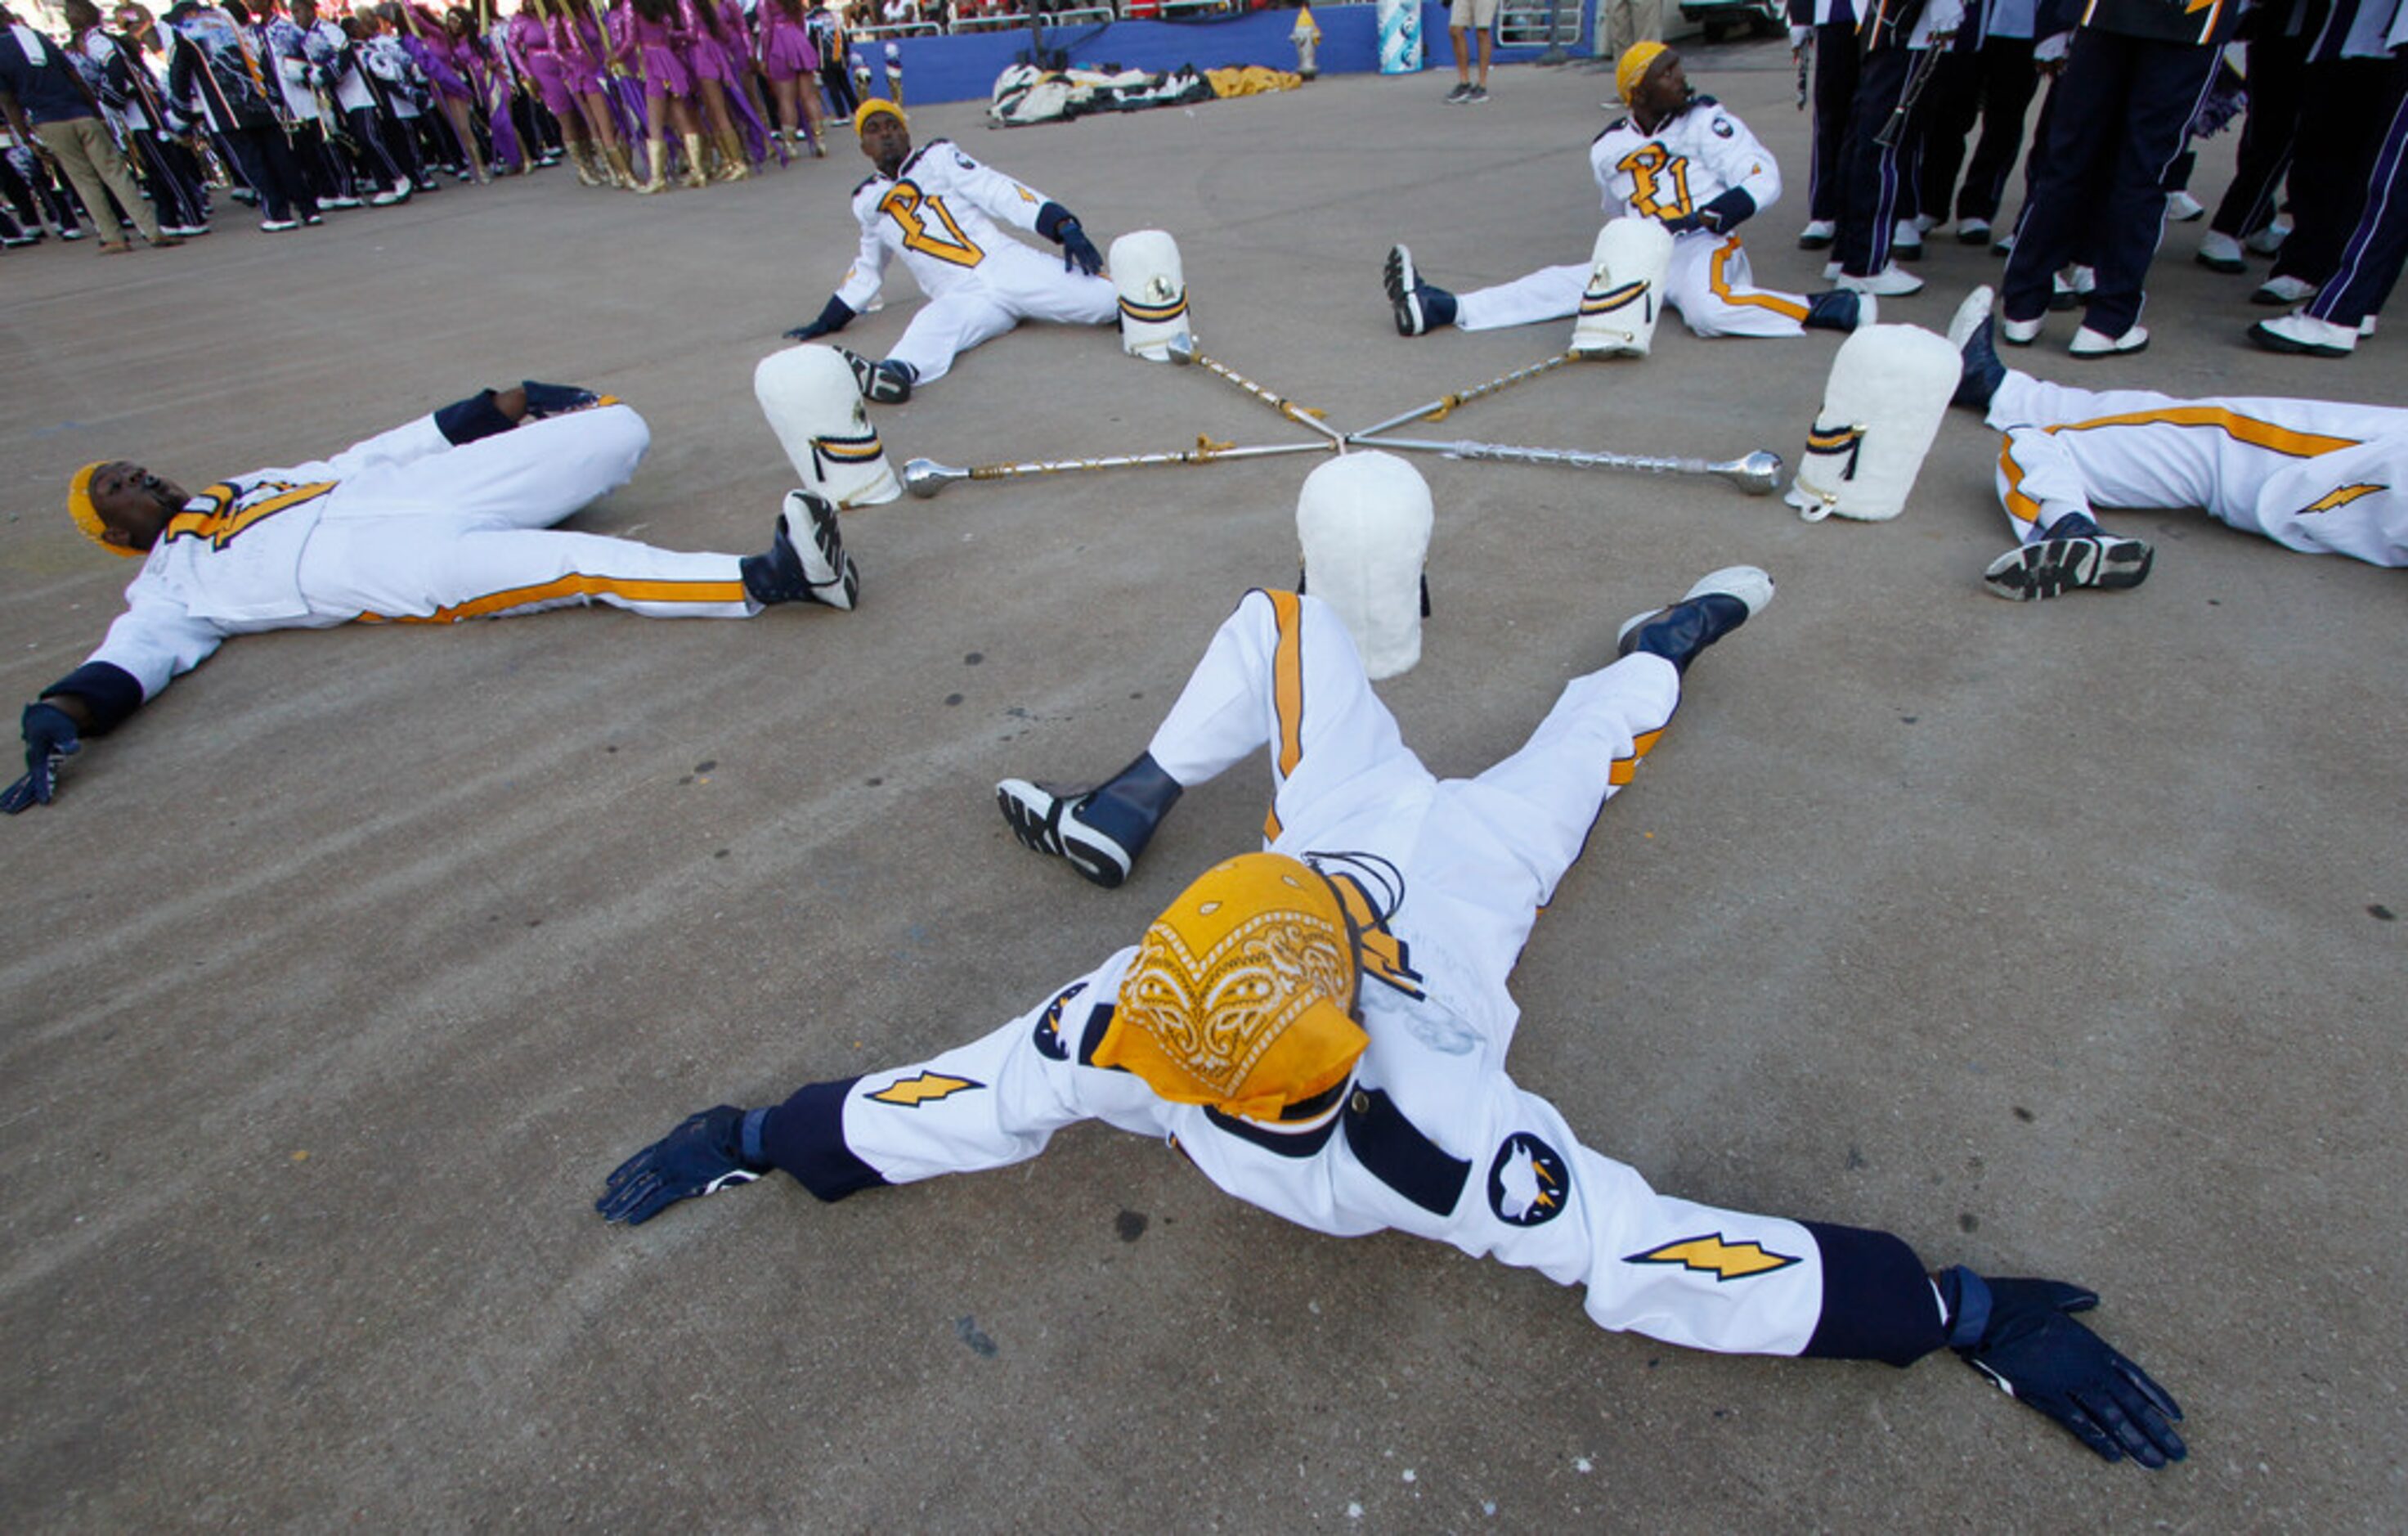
pixel 1624 768
pixel 1762 301
pixel 570 586
pixel 2241 428
pixel 1287 694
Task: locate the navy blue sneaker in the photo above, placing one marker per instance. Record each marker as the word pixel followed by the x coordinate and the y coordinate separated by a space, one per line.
pixel 1719 603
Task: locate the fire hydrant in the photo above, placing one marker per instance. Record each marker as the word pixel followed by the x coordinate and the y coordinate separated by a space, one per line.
pixel 1306 35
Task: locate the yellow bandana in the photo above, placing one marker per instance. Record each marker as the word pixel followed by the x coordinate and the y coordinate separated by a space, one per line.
pixel 1632 67
pixel 1239 993
pixel 86 516
pixel 874 106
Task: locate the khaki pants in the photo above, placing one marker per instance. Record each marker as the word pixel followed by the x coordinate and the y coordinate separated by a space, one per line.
pixel 89 156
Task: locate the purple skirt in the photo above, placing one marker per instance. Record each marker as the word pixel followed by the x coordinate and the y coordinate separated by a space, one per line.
pixel 709 61
pixel 787 53
pixel 581 76
pixel 550 76
pixel 665 73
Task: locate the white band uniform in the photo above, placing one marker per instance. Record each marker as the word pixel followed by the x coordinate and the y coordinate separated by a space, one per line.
pixel 2310 475
pixel 1446 878
pixel 405 526
pixel 939 217
pixel 1694 157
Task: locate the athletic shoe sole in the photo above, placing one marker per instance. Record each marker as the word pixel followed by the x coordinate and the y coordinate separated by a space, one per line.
pixel 1036 814
pixel 834 581
pixel 2264 333
pixel 2062 565
pixel 1400 280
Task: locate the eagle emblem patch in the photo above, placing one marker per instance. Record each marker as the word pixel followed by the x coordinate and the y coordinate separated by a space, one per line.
pixel 1529 1183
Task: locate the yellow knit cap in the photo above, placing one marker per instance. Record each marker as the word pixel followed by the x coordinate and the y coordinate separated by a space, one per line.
pixel 1632 67
pixel 86 516
pixel 1239 993
pixel 874 106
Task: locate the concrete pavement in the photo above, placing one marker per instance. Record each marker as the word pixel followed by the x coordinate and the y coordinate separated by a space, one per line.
pixel 2057 938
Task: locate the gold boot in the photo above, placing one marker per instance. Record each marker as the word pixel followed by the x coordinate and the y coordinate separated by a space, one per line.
pixel 694 175
pixel 614 160
pixel 658 178
pixel 581 159
pixel 733 166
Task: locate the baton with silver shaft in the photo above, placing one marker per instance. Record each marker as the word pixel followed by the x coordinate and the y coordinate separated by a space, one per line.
pixel 1757 473
pixel 927 477
pixel 1182 351
pixel 1436 411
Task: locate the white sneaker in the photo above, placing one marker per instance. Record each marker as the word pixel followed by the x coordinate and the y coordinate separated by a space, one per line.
pixel 1972 231
pixel 2220 252
pixel 2091 343
pixel 1906 241
pixel 2182 207
pixel 1817 233
pixel 2284 291
pixel 1925 224
pixel 1889 282
pixel 2304 335
pixel 2269 239
pixel 2018 333
pixel 1970 315
pixel 2366 327
pixel 2070 287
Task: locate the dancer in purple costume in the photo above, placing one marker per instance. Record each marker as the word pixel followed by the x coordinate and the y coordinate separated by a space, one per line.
pixel 429 46
pixel 718 82
pixel 648 36
pixel 791 66
pixel 488 86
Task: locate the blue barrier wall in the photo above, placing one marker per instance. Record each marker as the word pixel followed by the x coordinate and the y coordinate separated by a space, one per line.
pixel 964 67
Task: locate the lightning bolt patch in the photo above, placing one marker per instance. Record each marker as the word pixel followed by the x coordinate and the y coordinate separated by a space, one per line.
pixel 2340 496
pixel 926 1088
pixel 1710 1255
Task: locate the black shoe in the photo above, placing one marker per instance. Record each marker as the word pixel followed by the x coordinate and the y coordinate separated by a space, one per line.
pixel 806 563
pixel 1841 309
pixel 1099 831
pixel 881 384
pixel 1419 308
pixel 1980 372
pixel 1719 603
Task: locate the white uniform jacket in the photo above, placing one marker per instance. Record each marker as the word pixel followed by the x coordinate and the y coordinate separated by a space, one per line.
pixel 938 215
pixel 230 562
pixel 407 525
pixel 1693 157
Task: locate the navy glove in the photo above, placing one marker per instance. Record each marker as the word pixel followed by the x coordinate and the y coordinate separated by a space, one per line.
pixel 704 1156
pixel 544 400
pixel 50 740
pixel 835 318
pixel 1685 223
pixel 1078 252
pixel 2020 1334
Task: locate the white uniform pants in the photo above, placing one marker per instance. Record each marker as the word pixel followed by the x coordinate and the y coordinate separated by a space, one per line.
pixel 2312 475
pixel 1709 283
pixel 1013 284
pixel 1477 858
pixel 1281 673
pixel 467 534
